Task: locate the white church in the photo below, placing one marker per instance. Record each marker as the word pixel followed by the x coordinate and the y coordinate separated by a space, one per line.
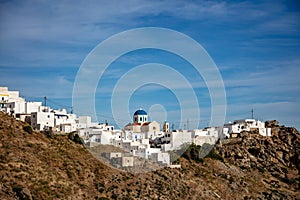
pixel 140 124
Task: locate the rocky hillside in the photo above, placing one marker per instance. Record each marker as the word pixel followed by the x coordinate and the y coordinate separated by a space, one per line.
pixel 34 165
pixel 275 160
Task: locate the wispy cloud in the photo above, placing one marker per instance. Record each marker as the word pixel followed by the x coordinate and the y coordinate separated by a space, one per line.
pixel 255 45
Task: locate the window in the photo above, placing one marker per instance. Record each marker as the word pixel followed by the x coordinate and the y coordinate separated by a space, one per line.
pixel 141 118
pixel 2 98
pixel 48 116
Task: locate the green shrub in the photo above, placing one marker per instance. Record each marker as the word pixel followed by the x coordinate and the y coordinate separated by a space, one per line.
pixel 71 135
pixel 28 129
pixel 197 153
pixel 77 139
pixel 212 154
pixel 192 152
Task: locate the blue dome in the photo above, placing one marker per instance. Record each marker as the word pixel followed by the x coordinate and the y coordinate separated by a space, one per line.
pixel 140 112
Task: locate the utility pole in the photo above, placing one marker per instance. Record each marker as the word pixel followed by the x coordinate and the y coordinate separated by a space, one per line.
pixel 45 101
pixel 187 124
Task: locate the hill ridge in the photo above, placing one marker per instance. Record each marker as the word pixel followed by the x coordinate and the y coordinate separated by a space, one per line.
pixel 36 166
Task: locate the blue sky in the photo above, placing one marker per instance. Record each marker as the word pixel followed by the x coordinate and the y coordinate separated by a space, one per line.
pixel 255 45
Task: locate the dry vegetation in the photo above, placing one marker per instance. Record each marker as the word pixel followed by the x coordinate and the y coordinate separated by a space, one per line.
pixel 36 166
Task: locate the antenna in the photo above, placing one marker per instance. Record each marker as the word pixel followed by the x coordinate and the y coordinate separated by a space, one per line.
pixel 252 113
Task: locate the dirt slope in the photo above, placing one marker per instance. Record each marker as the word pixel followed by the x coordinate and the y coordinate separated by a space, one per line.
pixel 34 166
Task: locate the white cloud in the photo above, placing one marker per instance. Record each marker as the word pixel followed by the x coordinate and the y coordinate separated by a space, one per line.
pixel 58 34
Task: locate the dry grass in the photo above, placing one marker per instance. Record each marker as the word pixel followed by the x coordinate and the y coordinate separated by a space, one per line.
pixel 35 166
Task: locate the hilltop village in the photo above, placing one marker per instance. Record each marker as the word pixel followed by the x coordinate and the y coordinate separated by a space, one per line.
pixel 140 138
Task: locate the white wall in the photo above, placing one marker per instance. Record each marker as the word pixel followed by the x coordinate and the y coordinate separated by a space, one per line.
pixel 180 138
pixel 127 161
pixel 32 107
pixel 84 121
pixel 246 125
pixel 162 157
pixel 200 140
pixel 3 101
pixel 199 132
pixel 41 120
pixel 64 122
pixel 106 137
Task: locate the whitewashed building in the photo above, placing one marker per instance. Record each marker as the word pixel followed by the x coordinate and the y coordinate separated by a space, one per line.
pixel 133 127
pixel 99 134
pixel 209 135
pixel 64 122
pixel 175 139
pixel 139 118
pixel 86 122
pixel 42 120
pixel 11 102
pixel 29 108
pixel 126 161
pixel 151 129
pixel 161 157
pixel 247 125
